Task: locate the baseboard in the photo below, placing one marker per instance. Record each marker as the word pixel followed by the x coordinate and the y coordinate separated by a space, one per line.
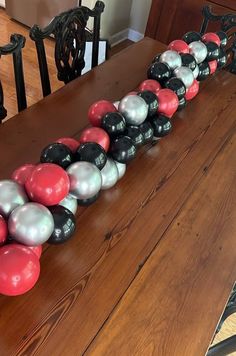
pixel 135 36
pixel 121 36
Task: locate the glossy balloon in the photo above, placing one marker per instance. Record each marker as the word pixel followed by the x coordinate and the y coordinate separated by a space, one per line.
pixel 110 174
pixel 114 123
pixel 168 102
pixel 151 101
pixel 161 125
pixel 159 71
pixel 64 225
pixel 147 131
pixel 122 149
pixel 21 174
pixel 213 66
pixel 116 104
pixel 179 46
pixel 31 224
pixel 19 269
pixel 188 61
pixel 3 231
pixel 182 104
pixel 98 110
pixel 96 134
pixel 87 202
pixel 134 109
pixel 222 60
pixel 192 91
pixel 185 75
pixel 48 184
pixel 198 50
pixel 150 85
pixel 57 153
pixel 135 134
pixel 12 195
pixel 85 180
pixel 196 72
pixel 156 58
pixel 191 36
pixel 204 71
pixel 70 203
pixel 171 58
pixel 91 152
pixel 121 169
pixel 177 86
pixel 213 51
pixel 71 143
pixel 211 37
pixel 223 38
pixel 37 250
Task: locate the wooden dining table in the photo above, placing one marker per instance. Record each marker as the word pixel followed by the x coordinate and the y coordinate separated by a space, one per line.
pixel 153 260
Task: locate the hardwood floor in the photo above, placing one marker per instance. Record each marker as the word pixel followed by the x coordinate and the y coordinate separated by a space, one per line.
pixel 34 94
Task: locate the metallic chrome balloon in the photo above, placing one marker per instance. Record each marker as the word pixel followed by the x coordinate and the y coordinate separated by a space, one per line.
pixel 198 50
pixel 185 74
pixel 110 174
pixel 134 109
pixel 69 203
pixel 31 224
pixel 121 169
pixel 12 195
pixel 85 180
pixel 196 72
pixel 172 58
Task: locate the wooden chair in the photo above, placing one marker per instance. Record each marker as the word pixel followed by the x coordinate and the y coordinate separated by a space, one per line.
pixel 70 34
pixel 14 48
pixel 227 22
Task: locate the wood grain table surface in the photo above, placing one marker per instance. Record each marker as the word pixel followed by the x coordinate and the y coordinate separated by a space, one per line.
pixel 151 265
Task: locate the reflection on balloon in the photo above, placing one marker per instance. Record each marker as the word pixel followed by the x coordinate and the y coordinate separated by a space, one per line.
pixel 179 46
pixel 204 71
pixel 150 85
pixel 213 51
pixel 192 91
pixel 223 38
pixel 64 225
pixel 213 66
pixel 185 75
pixel 113 123
pixel 134 109
pixel 151 101
pixel 21 174
pixel 177 86
pixel 71 143
pixel 182 104
pixel 110 174
pixel 191 36
pixel 159 71
pixel 57 153
pixel 91 152
pixel 198 50
pixel 188 61
pixel 12 195
pixel 211 37
pixel 135 134
pixel 147 131
pixel 161 125
pixel 70 203
pixel 172 58
pixel 96 134
pixel 98 110
pixel 123 150
pixel 168 102
pixel 121 169
pixel 37 250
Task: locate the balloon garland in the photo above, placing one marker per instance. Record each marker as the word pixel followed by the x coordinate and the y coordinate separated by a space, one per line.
pixel 39 202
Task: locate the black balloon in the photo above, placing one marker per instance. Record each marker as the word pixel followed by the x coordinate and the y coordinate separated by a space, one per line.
pixel 191 37
pixel 188 61
pixel 113 123
pixel 135 134
pixel 213 51
pixel 57 153
pixel 182 104
pixel 64 225
pixel 222 60
pixel 159 71
pixel 204 71
pixel 122 149
pixel 177 86
pixel 87 202
pixel 161 125
pixel 223 38
pixel 156 58
pixel 147 131
pixel 151 101
pixel 91 152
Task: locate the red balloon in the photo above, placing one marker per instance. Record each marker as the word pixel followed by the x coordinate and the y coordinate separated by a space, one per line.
pixel 213 66
pixel 179 46
pixel 151 85
pixel 21 174
pixel 3 230
pixel 36 249
pixel 96 134
pixel 211 37
pixel 168 102
pixel 19 269
pixel 72 143
pixel 48 184
pixel 98 110
pixel 192 91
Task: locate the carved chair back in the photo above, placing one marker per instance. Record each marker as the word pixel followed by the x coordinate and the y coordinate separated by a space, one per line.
pixel 70 34
pixel 14 48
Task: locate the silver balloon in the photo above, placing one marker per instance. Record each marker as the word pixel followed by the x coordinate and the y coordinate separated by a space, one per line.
pixel 110 174
pixel 134 109
pixel 185 74
pixel 31 224
pixel 12 195
pixel 70 203
pixel 121 168
pixel 116 104
pixel 198 50
pixel 196 72
pixel 172 58
pixel 85 180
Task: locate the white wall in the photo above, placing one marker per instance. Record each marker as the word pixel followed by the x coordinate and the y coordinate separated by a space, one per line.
pixel 139 15
pixel 2 3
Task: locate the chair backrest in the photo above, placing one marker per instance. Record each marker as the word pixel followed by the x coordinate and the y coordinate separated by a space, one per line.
pixel 70 34
pixel 14 48
pixel 227 23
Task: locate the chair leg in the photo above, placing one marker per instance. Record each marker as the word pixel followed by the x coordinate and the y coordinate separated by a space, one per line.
pixel 3 111
pixel 223 348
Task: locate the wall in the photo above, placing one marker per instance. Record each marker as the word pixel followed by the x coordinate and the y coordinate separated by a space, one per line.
pixel 139 15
